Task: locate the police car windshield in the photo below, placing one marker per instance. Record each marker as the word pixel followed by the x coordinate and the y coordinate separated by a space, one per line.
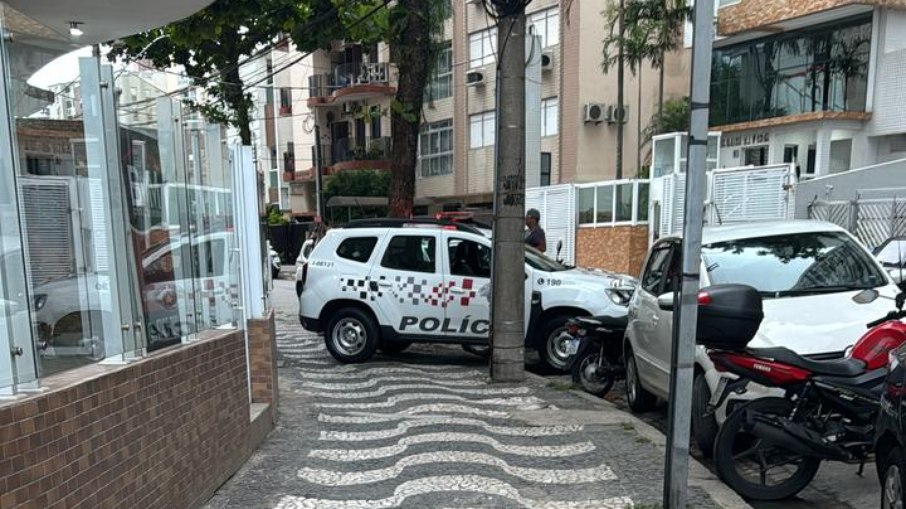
pixel 539 261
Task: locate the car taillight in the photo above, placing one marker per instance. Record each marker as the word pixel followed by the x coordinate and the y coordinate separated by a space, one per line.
pixel 704 298
pixel 304 273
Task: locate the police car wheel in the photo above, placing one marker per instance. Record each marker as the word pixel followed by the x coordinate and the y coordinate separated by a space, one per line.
pixel 554 347
pixel 351 336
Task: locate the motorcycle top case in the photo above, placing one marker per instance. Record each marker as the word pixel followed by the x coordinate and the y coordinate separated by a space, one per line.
pixel 728 316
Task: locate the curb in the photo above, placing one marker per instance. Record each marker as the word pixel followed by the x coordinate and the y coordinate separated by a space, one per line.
pixel 699 476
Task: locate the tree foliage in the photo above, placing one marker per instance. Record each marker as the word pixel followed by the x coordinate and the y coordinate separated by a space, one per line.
pixel 211 44
pixel 357 183
pixel 673 118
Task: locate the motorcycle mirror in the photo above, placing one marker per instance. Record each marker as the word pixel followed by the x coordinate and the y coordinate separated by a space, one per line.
pixel 866 296
pixel 665 302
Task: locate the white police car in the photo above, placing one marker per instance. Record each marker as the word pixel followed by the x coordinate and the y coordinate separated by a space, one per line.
pixel 388 283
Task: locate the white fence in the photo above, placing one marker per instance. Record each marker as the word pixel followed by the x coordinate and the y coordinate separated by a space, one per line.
pixel 734 195
pixel 557 205
pixel 871 220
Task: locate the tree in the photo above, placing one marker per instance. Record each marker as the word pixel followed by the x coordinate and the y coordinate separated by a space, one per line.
pixel 411 28
pixel 673 118
pixel 211 44
pixel 640 30
pixel 356 183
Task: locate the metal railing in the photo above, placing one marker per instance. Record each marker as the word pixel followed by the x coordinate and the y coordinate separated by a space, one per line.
pixel 347 75
pixel 871 220
pixel 345 149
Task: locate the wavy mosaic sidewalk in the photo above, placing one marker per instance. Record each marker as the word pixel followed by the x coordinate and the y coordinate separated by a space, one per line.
pixel 426 430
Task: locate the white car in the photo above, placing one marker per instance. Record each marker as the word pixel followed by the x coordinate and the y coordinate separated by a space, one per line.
pixel 385 284
pixel 807 273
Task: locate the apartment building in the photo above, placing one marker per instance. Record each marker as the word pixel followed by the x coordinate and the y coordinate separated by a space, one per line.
pixel 818 84
pixel 283 128
pixel 574 115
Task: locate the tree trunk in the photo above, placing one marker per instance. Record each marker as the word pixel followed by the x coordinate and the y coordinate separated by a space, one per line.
pixel 238 102
pixel 660 92
pixel 638 126
pixel 412 55
pixel 621 120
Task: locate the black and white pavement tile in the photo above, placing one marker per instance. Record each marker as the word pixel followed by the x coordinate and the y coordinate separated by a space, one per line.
pixel 426 430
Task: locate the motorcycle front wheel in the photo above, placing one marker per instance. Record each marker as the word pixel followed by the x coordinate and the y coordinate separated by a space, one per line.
pixel 756 468
pixel 593 373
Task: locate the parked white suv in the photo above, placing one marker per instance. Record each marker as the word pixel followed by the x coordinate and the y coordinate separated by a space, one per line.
pixel 807 273
pixel 386 284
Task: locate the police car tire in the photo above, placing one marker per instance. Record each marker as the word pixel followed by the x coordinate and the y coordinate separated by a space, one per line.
pixel 547 330
pixel 372 337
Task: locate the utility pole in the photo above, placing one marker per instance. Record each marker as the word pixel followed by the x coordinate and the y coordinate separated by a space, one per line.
pixel 676 468
pixel 508 268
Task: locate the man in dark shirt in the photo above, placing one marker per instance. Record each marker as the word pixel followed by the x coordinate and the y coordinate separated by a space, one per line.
pixel 534 236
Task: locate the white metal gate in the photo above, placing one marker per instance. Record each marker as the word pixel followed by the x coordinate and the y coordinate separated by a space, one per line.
pixel 872 221
pixel 557 205
pixel 734 195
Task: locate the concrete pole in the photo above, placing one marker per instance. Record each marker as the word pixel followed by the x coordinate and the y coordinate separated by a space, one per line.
pixel 685 320
pixel 508 270
pixel 621 89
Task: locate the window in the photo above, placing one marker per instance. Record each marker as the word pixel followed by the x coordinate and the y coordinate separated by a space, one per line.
pixel 823 68
pixel 604 205
pixel 546 23
pixel 545 169
pixel 411 253
pixel 624 202
pixel 286 100
pixel 549 117
pixel 481 132
pixel 435 146
pixel 654 272
pixel 469 259
pixel 790 265
pixel 441 85
pixel 482 48
pixel 289 157
pixel 357 249
pixel 586 205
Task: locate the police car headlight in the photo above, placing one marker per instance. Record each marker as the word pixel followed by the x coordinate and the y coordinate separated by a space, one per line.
pixel 617 297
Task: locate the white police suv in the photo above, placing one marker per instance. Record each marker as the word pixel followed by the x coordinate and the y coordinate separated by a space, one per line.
pixel 388 283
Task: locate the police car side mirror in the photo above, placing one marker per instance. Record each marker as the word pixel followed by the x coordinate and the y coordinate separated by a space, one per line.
pixel 665 302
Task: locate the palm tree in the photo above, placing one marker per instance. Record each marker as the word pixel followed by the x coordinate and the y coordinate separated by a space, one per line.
pixel 640 30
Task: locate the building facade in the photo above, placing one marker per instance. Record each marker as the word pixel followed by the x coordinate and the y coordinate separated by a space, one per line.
pixel 817 84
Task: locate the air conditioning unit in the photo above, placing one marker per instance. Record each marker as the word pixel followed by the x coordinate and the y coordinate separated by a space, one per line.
pixel 547 60
pixel 618 116
pixel 474 78
pixel 598 112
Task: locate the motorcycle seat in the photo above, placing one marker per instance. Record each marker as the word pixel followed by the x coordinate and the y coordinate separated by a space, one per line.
pixel 845 367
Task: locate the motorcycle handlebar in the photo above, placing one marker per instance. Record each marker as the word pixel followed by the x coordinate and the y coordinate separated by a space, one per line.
pixel 893 315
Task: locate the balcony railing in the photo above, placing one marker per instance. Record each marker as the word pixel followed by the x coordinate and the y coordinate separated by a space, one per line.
pixel 347 75
pixel 344 150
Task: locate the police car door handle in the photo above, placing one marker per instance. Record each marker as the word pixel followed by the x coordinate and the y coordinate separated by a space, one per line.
pixel 457 290
pixel 386 284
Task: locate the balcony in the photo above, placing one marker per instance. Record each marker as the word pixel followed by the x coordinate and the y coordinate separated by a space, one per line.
pixel 771 16
pixel 796 76
pixel 349 82
pixel 343 154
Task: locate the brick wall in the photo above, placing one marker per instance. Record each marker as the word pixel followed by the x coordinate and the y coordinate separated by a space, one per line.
pixel 163 432
pixel 262 359
pixel 750 14
pixel 619 249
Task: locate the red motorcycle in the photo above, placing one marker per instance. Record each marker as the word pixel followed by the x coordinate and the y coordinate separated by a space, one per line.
pixel 771 448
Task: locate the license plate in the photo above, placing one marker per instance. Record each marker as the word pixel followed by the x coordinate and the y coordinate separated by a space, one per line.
pixel 572 346
pixel 718 393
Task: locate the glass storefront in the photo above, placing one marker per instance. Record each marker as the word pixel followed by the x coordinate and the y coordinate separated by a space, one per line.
pixel 824 68
pixel 117 229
